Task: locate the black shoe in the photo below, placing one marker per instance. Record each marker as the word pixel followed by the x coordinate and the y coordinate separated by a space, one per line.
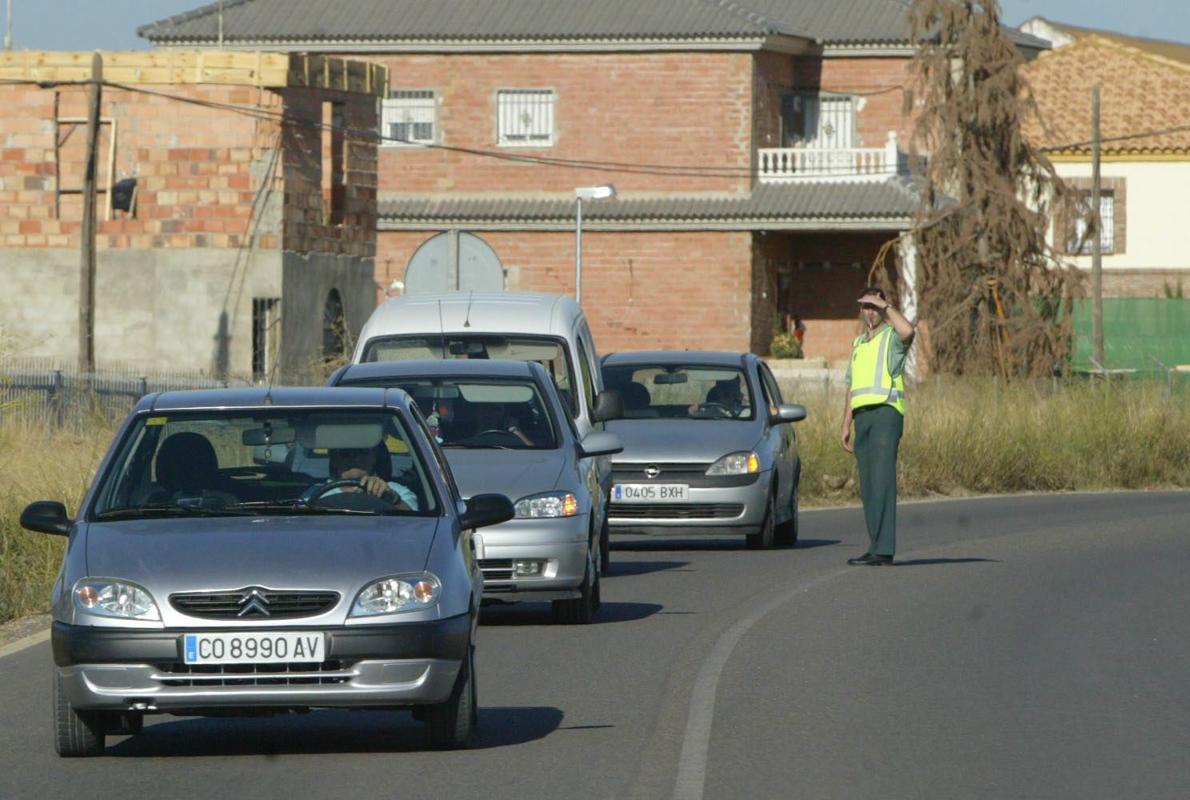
pixel 870 560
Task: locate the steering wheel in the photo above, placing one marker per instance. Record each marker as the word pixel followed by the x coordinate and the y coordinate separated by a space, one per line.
pixel 716 410
pixel 353 499
pixel 494 437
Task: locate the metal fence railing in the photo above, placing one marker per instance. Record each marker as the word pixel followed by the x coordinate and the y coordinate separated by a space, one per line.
pixel 43 390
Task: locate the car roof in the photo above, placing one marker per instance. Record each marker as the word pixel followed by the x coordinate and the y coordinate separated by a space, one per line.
pixel 280 398
pixel 439 368
pixel 707 358
pixel 473 312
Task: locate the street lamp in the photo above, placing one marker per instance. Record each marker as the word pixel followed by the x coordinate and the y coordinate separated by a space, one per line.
pixel 603 192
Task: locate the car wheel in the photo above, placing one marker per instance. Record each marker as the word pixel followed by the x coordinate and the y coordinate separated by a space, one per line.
pixel 787 531
pixel 76 733
pixel 449 725
pixel 763 539
pixel 582 609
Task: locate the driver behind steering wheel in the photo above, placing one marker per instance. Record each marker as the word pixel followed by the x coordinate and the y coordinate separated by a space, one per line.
pixel 361 465
pixel 725 394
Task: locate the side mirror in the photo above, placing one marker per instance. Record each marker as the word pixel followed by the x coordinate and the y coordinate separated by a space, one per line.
pixel 609 404
pixel 486 509
pixel 337 375
pixel 788 412
pixel 46 516
pixel 600 444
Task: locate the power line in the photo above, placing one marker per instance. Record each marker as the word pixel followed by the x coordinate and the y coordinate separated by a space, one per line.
pixel 1122 138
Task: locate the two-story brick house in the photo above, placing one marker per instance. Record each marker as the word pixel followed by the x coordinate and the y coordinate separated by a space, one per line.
pixel 757 149
pixel 236 226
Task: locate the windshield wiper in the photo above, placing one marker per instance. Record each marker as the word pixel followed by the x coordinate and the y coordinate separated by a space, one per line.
pixel 149 512
pixel 299 505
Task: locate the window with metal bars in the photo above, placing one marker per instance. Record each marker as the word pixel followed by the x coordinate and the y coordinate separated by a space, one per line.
pixel 408 117
pixel 266 320
pixel 1080 241
pixel 525 117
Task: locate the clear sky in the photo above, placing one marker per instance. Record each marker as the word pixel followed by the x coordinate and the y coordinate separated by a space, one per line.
pixel 112 24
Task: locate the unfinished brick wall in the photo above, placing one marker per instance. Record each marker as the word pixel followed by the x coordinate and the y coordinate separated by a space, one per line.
pixel 208 177
pixel 640 290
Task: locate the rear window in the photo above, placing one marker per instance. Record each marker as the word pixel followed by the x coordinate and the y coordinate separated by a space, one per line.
pixel 480 414
pixel 675 391
pixel 549 352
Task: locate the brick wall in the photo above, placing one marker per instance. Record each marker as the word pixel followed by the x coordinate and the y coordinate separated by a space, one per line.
pixel 640 290
pixel 643 108
pixel 200 170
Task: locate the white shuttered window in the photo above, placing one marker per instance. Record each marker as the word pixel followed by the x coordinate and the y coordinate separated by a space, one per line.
pixel 409 116
pixel 525 117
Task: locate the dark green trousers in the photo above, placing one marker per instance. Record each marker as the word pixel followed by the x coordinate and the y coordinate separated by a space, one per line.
pixel 877 436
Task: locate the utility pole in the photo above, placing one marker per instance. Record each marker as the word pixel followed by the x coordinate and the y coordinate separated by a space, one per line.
pixel 1097 232
pixel 8 28
pixel 87 280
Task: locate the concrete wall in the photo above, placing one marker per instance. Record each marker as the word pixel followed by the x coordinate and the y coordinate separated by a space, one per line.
pixel 307 281
pixel 186 309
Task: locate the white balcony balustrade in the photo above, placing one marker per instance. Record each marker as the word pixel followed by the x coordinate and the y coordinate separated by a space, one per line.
pixel 834 164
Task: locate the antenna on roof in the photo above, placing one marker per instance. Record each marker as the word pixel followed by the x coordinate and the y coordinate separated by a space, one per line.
pixel 467 319
pixel 442 328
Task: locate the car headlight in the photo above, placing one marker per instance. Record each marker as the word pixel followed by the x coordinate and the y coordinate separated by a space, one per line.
pixel 107 597
pixel 396 594
pixel 736 464
pixel 555 504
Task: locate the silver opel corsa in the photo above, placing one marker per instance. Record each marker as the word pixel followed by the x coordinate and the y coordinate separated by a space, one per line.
pixel 504 428
pixel 262 551
pixel 708 447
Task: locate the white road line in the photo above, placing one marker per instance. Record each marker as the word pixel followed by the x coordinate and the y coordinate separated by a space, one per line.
pixel 692 764
pixel 22 644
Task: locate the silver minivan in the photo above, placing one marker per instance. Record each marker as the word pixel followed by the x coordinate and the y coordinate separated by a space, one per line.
pixel 509 326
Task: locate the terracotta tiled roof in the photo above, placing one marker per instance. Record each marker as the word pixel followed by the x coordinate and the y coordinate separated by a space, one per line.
pixel 1140 93
pixel 1178 51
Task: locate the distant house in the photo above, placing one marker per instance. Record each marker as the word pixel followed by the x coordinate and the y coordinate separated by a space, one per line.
pixel 757 147
pixel 1145 130
pixel 236 226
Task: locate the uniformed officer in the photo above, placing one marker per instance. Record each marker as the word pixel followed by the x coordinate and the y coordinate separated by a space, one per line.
pixel 876 404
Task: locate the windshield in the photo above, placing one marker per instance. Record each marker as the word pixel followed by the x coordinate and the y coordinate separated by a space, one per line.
pixel 505 414
pixel 550 353
pixel 231 462
pixel 672 391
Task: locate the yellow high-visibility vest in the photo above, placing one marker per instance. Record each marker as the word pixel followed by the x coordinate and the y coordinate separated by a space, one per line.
pixel 871 383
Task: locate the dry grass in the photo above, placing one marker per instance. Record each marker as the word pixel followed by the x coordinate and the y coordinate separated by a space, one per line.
pixel 960 438
pixel 39 463
pixel 981 436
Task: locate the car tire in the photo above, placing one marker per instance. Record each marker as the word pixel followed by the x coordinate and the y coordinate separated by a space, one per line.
pixel 77 733
pixel 605 547
pixel 787 531
pixel 763 539
pixel 582 609
pixel 449 725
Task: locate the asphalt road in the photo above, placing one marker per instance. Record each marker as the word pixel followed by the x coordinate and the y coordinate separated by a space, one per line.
pixel 1031 647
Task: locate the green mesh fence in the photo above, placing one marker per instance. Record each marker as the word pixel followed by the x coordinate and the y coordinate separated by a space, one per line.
pixel 1147 335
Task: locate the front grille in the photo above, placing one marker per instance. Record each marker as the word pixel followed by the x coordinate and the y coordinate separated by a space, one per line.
pixel 496 569
pixel 675 510
pixel 669 472
pixel 253 603
pixel 177 673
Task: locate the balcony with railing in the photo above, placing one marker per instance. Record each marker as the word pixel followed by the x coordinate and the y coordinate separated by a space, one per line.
pixel 834 164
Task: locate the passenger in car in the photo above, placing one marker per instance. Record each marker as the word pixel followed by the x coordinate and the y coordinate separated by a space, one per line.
pixel 186 466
